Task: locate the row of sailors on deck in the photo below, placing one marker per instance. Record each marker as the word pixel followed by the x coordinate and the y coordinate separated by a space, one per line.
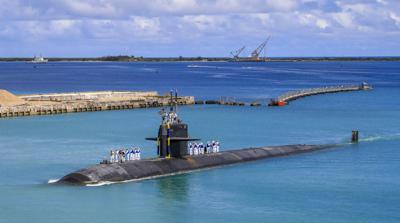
pixel 122 155
pixel 169 117
pixel 200 148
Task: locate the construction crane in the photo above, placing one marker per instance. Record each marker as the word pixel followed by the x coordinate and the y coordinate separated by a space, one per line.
pixel 255 55
pixel 236 53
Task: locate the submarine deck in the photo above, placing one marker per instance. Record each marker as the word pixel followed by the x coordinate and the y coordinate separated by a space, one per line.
pixel 143 169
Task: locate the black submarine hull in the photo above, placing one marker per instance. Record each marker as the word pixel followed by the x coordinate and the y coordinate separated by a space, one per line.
pixel 143 169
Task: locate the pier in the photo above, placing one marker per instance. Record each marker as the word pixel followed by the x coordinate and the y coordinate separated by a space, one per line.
pixel 293 95
pixel 59 103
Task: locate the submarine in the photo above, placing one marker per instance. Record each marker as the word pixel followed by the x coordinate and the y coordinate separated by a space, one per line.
pixel 173 157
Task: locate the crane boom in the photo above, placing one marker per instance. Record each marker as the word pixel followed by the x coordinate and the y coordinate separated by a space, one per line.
pixel 256 53
pixel 236 53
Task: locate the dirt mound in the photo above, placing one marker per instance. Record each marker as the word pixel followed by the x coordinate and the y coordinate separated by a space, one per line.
pixel 8 99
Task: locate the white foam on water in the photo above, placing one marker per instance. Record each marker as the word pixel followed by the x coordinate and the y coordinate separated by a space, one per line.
pixel 103 183
pixel 372 138
pixel 201 66
pixel 380 138
pixel 52 181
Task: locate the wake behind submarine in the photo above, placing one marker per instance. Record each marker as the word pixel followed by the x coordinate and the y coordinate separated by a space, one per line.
pixel 174 158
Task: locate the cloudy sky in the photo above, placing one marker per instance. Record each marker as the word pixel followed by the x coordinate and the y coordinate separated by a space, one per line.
pixel 73 28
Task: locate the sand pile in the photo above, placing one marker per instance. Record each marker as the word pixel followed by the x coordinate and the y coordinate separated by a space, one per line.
pixel 8 99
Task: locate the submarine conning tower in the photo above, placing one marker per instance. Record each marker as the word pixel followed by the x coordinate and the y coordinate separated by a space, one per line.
pixel 173 134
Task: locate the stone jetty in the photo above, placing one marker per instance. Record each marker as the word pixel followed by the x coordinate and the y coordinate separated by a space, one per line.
pixel 293 95
pixel 45 104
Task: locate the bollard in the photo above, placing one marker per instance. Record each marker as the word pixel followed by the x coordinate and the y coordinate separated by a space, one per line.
pixel 354 136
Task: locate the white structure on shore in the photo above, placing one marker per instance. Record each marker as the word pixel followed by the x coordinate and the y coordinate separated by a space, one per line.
pixel 39 60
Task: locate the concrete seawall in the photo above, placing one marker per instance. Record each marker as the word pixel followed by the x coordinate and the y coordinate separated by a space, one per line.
pixel 293 95
pixel 142 169
pixel 49 104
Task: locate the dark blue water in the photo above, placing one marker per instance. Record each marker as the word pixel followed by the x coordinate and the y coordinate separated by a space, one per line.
pixel 355 183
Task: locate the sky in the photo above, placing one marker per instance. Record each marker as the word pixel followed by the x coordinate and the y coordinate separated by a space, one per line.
pixel 170 28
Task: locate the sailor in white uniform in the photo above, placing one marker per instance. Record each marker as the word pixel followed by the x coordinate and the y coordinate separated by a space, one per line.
pixel 196 151
pixel 135 154
pixel 214 149
pixel 112 156
pixel 201 147
pixel 190 149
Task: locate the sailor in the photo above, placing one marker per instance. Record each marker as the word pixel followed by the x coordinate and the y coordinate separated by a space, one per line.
pixel 111 156
pixel 138 154
pixel 123 156
pixel 217 146
pixel 126 154
pixel 115 156
pixel 195 150
pixel 201 147
pixel 208 147
pixel 213 146
pixel 170 117
pixel 163 115
pixel 134 154
pixel 190 148
pixel 130 153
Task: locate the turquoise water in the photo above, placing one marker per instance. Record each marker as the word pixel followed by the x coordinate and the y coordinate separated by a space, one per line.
pixel 353 183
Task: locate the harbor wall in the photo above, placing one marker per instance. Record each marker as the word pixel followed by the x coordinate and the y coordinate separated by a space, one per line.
pixel 96 95
pixel 50 104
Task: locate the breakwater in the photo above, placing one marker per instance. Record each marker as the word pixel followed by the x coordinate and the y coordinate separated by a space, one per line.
pixel 144 169
pixel 293 95
pixel 288 96
pixel 58 103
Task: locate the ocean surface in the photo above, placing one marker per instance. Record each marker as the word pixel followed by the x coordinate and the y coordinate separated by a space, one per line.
pixel 353 183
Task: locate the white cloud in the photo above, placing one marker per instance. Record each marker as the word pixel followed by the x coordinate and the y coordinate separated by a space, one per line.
pixel 395 17
pixel 344 19
pixel 322 23
pixel 175 21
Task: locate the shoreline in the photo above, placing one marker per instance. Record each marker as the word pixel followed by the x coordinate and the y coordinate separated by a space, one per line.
pixel 201 59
